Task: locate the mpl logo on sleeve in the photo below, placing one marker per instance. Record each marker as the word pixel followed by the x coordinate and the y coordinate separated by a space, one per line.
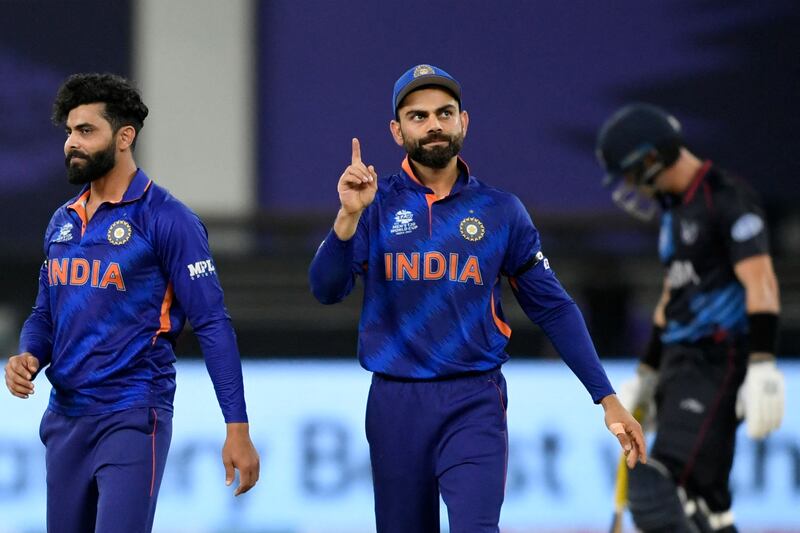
pixel 403 223
pixel 201 269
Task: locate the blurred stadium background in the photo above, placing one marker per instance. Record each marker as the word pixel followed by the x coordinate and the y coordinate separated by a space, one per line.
pixel 253 104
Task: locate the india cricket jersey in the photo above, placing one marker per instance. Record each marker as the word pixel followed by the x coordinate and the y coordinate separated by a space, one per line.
pixel 115 292
pixel 432 270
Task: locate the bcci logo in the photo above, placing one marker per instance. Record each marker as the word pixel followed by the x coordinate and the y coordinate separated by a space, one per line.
pixel 472 229
pixel 119 232
pixel 423 70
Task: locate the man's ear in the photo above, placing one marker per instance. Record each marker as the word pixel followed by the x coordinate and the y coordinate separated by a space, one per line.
pixel 397 133
pixel 125 137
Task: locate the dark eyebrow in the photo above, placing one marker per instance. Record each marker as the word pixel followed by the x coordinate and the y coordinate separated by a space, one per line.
pixel 79 126
pixel 412 112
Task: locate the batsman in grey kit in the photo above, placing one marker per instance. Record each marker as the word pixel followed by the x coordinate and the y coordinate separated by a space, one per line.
pixel 710 362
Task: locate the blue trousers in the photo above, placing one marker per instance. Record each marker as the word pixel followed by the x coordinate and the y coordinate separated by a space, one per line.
pixel 430 437
pixel 104 471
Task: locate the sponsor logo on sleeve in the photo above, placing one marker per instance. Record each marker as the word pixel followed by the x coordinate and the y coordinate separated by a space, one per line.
pixel 746 227
pixel 201 269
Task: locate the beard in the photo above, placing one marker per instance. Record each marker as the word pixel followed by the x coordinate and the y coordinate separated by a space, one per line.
pixel 96 166
pixel 434 156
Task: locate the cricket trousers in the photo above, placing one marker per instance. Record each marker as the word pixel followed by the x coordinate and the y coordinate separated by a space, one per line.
pixel 696 415
pixel 104 471
pixel 445 436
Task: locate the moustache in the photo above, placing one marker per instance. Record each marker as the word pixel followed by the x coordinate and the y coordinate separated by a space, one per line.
pixel 76 155
pixel 435 137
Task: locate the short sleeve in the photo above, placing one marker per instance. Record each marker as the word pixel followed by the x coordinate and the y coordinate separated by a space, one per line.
pixel 742 223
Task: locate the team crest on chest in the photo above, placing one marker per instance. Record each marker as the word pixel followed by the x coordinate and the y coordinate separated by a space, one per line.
pixel 403 223
pixel 472 229
pixel 119 232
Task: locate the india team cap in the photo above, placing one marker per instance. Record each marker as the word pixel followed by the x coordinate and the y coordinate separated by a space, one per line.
pixel 422 76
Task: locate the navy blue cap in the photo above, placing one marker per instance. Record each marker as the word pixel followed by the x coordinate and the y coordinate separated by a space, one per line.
pixel 421 76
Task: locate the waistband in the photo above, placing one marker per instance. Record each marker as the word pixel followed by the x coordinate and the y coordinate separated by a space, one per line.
pixel 436 379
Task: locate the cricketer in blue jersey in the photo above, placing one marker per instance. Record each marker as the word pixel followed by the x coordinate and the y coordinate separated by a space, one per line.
pixel 711 358
pixel 127 264
pixel 431 243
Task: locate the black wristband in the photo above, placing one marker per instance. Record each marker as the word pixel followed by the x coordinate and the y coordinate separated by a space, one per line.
pixel 763 332
pixel 652 354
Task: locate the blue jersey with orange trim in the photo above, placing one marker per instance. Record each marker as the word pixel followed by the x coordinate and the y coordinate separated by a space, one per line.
pixel 115 292
pixel 432 271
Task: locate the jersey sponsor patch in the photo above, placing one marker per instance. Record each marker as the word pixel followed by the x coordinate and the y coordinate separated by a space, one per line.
pixel 201 269
pixel 681 273
pixel 746 227
pixel 119 233
pixel 64 233
pixel 403 222
pixel 472 229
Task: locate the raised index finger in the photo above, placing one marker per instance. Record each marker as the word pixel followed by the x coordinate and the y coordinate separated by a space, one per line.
pixel 356 159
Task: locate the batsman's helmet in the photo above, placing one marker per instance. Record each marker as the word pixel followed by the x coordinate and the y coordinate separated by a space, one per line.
pixel 633 133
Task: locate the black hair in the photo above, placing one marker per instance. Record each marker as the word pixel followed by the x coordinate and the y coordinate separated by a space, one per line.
pixel 124 106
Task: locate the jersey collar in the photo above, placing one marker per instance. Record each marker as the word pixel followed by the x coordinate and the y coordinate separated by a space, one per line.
pixel 696 181
pixel 136 189
pixel 461 181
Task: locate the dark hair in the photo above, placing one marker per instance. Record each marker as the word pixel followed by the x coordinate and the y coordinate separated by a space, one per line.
pixel 124 106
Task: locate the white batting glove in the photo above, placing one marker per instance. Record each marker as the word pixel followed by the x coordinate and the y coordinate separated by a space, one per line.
pixel 760 400
pixel 637 395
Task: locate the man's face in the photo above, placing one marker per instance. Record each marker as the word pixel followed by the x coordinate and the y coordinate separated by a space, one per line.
pixel 90 149
pixel 430 127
